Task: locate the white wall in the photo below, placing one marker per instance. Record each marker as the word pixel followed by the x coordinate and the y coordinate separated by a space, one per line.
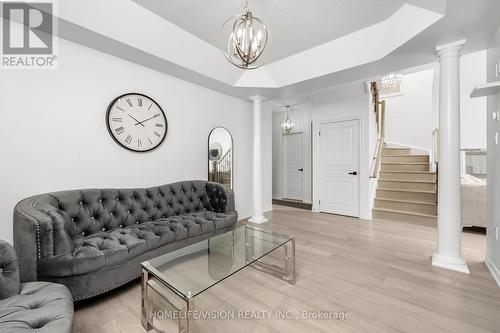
pixel 349 101
pixel 409 115
pixel 54 134
pixel 472 110
pixel 412 115
pixel 493 245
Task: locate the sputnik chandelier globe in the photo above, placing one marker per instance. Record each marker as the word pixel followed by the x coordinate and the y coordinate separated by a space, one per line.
pixel 245 38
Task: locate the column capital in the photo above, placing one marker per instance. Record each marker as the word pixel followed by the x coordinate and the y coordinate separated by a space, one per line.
pixel 257 98
pixel 450 48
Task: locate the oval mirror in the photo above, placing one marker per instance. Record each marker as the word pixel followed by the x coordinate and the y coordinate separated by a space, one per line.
pixel 220 157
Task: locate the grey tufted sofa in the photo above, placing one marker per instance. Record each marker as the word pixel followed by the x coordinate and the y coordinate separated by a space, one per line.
pixel 33 306
pixel 94 240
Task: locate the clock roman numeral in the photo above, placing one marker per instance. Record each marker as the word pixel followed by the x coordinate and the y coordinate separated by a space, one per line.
pixel 128 139
pixel 159 125
pixel 157 134
pixel 119 130
pixel 151 142
pixel 139 100
pixel 129 102
pixel 118 119
pixel 150 106
pixel 119 108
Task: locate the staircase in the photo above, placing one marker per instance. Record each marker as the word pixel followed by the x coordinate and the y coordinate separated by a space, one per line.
pixel 407 190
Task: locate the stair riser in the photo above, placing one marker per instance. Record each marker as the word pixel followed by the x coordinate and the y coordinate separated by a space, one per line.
pixel 398 151
pixel 427 177
pixel 410 186
pixel 405 159
pixel 405 218
pixel 424 197
pixel 406 206
pixel 404 167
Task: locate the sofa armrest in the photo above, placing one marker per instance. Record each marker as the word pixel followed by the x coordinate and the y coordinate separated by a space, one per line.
pixel 27 224
pixel 9 271
pixel 221 198
pixel 38 233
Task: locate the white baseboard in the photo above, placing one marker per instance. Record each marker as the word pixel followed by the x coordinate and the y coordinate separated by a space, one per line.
pixel 495 272
pixel 247 215
pixel 244 216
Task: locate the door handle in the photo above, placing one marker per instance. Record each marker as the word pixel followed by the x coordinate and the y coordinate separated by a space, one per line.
pixel 354 173
pixel 301 169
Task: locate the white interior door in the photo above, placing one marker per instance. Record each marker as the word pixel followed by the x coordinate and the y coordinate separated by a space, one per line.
pixel 294 168
pixel 338 168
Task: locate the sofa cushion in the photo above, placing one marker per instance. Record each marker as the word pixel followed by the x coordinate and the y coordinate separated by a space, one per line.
pixel 41 306
pixel 107 248
pixel 9 271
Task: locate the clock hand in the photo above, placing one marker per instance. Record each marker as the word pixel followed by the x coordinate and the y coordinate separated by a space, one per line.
pixel 142 122
pixel 138 122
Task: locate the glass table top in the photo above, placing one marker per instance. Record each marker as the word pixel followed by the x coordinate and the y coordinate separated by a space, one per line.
pixel 195 268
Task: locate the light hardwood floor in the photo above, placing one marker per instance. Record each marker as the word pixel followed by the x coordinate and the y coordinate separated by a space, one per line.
pixel 378 271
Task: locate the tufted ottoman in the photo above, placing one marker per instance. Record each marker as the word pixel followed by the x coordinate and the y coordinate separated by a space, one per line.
pixel 94 240
pixel 41 306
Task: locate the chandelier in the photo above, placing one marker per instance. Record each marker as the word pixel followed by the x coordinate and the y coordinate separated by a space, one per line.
pixel 248 38
pixel 391 80
pixel 287 124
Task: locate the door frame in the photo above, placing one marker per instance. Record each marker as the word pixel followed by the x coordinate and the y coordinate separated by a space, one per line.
pixel 317 159
pixel 283 164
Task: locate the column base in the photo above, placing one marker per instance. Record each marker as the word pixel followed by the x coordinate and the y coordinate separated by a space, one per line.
pixel 455 264
pixel 258 219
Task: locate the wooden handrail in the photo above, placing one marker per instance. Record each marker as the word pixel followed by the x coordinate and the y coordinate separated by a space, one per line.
pixel 435 145
pixel 377 158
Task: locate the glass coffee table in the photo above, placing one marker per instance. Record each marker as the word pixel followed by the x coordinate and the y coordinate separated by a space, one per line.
pixel 171 282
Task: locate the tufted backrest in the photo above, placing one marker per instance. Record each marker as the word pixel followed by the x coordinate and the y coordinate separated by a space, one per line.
pixel 85 212
pixel 9 271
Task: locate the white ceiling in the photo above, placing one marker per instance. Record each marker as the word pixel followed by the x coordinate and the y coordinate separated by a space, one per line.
pixel 295 25
pixel 325 32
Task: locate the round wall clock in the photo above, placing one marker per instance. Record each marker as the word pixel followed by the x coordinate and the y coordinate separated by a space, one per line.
pixel 136 122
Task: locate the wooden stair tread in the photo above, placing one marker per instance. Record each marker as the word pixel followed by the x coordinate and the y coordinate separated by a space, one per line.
pixel 403 190
pixel 406 155
pixel 419 172
pixel 408 201
pixel 405 163
pixel 405 212
pixel 407 181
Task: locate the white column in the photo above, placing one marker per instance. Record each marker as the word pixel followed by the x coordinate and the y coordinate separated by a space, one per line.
pixel 449 252
pixel 257 216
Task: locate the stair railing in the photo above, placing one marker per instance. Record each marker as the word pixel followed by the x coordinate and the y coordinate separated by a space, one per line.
pixel 222 169
pixel 380 119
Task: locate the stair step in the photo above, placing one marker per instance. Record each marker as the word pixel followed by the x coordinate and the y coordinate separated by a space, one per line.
pixel 407 206
pixel 395 151
pixel 429 197
pixel 408 175
pixel 404 216
pixel 404 167
pixel 408 185
pixel 405 158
